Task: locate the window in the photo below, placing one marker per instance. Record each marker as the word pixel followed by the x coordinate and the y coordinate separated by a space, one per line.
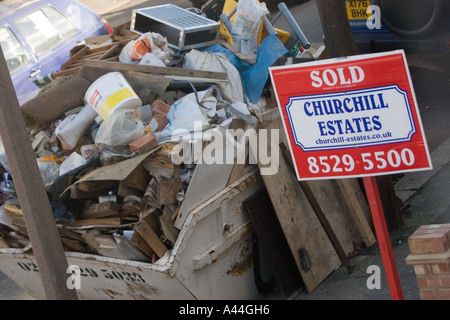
pixel 14 54
pixel 64 26
pixel 45 28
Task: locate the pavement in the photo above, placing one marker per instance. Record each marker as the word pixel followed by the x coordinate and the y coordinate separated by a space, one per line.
pixel 424 194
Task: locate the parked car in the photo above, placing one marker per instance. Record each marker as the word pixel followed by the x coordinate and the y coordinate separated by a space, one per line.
pixel 36 38
pixel 412 25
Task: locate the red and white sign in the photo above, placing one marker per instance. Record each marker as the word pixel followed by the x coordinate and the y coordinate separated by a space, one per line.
pixel 351 117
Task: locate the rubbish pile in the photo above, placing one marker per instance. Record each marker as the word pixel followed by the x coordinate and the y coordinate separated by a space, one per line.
pixel 116 131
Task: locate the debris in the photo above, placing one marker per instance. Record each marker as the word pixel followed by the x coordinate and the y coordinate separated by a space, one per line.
pixel 110 127
pixel 150 236
pixel 144 143
pixel 51 104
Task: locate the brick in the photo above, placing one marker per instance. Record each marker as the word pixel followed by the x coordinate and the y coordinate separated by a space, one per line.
pixel 144 143
pixel 428 294
pixel 435 226
pixel 441 268
pixel 422 282
pixel 422 269
pixel 161 120
pixel 159 106
pixel 443 294
pixel 433 282
pixel 437 241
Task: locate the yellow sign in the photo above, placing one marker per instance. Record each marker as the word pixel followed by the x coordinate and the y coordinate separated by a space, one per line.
pixel 357 9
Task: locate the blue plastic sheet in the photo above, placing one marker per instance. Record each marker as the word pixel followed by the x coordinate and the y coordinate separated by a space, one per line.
pixel 254 77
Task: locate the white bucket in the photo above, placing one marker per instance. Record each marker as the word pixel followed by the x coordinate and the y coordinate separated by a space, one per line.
pixel 110 93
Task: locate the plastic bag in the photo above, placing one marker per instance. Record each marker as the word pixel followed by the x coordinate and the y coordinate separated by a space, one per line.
pixel 246 26
pixel 118 130
pixel 151 59
pixel 49 169
pixel 231 90
pixel 150 42
pixel 186 113
pixel 72 162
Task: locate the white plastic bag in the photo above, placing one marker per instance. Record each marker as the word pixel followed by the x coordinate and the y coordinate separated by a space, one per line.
pixel 118 130
pixel 159 49
pixel 185 114
pixel 246 26
pixel 231 90
pixel 151 59
pixel 72 162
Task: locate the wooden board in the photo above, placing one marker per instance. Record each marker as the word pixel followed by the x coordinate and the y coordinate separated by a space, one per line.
pixel 119 66
pixel 152 239
pixel 313 253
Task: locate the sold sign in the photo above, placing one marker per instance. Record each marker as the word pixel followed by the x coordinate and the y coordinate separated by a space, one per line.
pixel 351 117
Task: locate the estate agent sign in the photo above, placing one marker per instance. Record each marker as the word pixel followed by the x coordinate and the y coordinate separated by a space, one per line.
pixel 351 117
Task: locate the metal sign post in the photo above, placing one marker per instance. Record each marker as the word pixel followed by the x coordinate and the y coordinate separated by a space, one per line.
pixel 384 241
pixel 353 117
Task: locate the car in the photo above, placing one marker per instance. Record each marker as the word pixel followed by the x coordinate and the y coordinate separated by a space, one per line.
pixel 416 26
pixel 37 36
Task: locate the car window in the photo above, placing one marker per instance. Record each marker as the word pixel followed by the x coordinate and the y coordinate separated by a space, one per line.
pixel 39 31
pixel 64 26
pixel 13 51
pixel 45 28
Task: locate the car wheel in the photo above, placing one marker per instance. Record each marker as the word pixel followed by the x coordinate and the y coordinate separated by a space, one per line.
pixel 415 18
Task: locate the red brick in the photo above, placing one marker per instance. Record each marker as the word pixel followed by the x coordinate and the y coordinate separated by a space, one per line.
pixel 159 106
pixel 421 242
pixel 422 282
pixel 428 294
pixel 161 120
pixel 444 294
pixel 144 143
pixel 433 282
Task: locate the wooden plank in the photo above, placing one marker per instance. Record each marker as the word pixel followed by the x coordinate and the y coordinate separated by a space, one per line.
pixel 94 186
pixel 314 255
pixel 95 222
pixel 141 244
pixel 238 168
pixel 158 84
pixel 131 207
pixel 138 179
pixel 66 72
pixel 101 210
pixel 101 243
pixel 119 66
pixel 114 51
pixel 81 53
pixel 76 193
pixel 34 202
pixel 349 192
pixel 318 211
pixel 152 239
pixel 167 226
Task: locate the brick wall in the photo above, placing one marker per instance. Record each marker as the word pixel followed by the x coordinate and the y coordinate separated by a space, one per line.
pixel 430 255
